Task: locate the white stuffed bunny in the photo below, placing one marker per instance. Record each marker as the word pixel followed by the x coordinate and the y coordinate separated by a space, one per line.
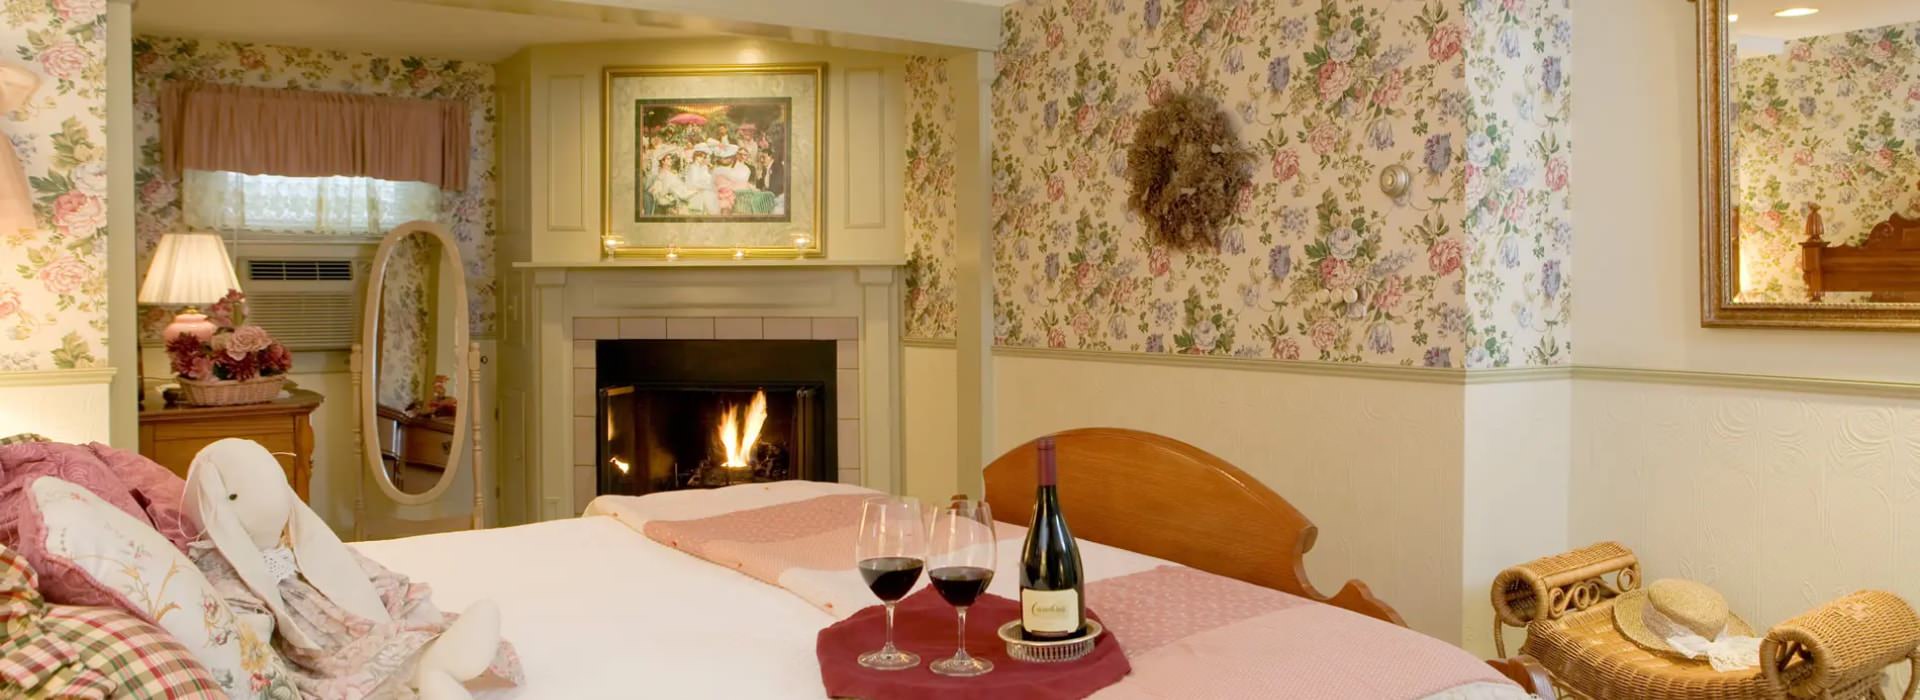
pixel 348 625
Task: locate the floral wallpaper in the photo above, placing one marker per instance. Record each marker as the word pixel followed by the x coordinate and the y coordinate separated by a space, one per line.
pixel 1519 213
pixel 53 301
pixel 469 213
pixel 929 200
pixel 1833 120
pixel 1467 269
pixel 406 322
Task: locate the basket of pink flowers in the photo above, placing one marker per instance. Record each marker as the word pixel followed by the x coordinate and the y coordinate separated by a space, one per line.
pixel 237 364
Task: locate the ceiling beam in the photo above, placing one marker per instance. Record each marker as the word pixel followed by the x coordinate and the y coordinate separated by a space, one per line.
pixel 936 27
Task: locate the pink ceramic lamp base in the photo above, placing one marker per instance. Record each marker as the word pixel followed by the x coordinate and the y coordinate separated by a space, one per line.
pixel 189 322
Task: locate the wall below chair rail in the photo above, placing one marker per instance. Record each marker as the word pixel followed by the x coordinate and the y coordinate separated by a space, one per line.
pixel 1377 465
pixel 60 404
pixel 929 421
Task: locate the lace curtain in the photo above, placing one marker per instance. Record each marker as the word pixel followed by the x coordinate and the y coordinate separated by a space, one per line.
pixel 224 201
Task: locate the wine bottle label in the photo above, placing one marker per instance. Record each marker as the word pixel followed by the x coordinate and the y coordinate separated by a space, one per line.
pixel 1050 612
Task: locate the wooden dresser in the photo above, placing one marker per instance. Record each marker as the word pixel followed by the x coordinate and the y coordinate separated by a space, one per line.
pixel 173 434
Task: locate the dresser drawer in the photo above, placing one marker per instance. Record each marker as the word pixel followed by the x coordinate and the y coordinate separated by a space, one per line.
pixel 238 426
pixel 173 435
pixel 177 453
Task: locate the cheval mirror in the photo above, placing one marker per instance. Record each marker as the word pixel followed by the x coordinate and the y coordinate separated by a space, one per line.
pixel 1810 163
pixel 415 374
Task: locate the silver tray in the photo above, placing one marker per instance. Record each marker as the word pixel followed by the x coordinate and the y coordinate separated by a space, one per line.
pixel 1052 651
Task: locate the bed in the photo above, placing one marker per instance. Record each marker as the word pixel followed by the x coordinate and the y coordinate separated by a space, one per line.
pixel 1886 264
pixel 634 618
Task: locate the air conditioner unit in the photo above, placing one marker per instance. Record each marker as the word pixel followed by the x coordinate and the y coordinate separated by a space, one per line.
pixel 306 303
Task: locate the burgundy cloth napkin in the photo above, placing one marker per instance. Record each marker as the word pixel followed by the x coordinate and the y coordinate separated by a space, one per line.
pixel 925 625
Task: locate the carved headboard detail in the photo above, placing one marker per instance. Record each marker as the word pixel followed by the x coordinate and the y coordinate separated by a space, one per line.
pixel 1887 264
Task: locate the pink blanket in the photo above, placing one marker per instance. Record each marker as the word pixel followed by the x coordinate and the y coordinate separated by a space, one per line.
pixel 1187 633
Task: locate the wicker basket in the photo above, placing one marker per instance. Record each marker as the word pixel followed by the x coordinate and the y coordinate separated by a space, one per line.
pixel 230 393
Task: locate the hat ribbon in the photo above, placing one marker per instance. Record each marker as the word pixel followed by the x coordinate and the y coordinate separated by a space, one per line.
pixel 1726 651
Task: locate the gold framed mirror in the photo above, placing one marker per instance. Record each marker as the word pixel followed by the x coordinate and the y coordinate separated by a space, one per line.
pixel 1810 163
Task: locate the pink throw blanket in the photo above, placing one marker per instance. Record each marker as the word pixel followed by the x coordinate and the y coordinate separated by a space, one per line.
pixel 1187 633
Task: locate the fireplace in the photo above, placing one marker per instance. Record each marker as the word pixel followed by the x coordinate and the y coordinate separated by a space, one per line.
pixel 678 414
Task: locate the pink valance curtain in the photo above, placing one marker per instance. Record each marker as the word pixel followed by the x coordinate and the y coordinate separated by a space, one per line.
pixel 298 133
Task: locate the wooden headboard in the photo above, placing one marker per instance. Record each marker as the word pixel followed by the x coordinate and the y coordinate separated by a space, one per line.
pixel 1165 498
pixel 1886 264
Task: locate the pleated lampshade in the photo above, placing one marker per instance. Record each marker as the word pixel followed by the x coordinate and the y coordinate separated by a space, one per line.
pixel 188 269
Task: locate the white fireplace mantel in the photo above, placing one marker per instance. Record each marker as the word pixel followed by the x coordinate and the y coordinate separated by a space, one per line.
pixel 570 305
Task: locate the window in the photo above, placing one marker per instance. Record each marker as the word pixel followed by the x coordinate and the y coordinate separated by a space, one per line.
pixel 351 206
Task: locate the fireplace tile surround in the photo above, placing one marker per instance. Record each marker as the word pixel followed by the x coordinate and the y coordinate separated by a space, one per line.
pixel 570 308
pixel 588 331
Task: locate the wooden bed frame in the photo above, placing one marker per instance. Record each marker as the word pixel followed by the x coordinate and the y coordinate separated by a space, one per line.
pixel 1887 263
pixel 1165 498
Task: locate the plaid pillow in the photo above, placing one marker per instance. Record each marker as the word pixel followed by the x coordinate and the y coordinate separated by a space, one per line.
pixel 74 652
pixel 22 438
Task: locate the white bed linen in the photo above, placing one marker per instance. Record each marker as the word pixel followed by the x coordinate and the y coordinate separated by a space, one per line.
pixel 597 610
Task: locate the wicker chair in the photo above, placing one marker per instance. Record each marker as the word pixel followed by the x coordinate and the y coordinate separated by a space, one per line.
pixel 1565 602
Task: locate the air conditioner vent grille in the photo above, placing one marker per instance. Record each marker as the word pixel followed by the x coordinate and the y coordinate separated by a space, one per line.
pixel 300 270
pixel 305 321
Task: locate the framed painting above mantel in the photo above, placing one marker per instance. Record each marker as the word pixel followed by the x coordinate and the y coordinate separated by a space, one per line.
pixel 713 161
pixel 1809 166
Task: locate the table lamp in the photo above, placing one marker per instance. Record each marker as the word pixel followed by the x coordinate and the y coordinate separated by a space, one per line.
pixel 188 269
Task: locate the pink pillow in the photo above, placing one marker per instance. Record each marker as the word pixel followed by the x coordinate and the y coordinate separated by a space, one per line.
pixel 157 489
pixel 21 463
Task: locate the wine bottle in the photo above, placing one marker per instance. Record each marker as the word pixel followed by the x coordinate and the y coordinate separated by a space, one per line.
pixel 1052 604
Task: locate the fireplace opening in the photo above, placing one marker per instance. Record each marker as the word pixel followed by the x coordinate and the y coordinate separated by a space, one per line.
pixel 678 414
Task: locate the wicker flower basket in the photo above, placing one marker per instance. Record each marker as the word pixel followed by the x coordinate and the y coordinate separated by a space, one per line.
pixel 230 393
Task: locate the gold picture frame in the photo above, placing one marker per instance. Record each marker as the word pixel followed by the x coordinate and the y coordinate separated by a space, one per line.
pixel 1719 241
pixel 656 122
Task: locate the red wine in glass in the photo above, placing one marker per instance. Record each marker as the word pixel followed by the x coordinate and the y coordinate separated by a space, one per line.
pixel 963 553
pixel 890 578
pixel 961 585
pixel 890 553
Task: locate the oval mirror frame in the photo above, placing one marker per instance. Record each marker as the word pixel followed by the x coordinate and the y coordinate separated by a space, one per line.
pixel 460 385
pixel 1719 246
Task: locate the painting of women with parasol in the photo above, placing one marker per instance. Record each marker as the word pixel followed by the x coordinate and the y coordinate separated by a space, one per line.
pixel 712 159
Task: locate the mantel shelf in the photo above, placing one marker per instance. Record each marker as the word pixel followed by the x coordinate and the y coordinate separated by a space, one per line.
pixel 706 263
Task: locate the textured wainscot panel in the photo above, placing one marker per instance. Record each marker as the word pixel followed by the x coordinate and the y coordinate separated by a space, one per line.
pixel 53 274
pixel 1375 464
pixel 1781 500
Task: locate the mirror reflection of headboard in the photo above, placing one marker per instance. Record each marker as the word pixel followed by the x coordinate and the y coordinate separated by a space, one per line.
pixel 1887 263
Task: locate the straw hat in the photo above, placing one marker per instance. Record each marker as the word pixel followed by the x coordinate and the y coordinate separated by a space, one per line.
pixel 1690 604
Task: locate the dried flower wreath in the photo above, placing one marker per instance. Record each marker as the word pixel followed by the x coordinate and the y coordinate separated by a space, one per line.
pixel 1187 168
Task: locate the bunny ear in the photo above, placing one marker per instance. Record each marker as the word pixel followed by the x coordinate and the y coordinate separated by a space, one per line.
pixel 205 504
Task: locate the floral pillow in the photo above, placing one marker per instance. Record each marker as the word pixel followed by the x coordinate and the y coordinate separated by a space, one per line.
pixel 71 535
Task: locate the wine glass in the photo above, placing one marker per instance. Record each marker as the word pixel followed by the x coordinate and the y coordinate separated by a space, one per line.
pixel 891 551
pixel 960 561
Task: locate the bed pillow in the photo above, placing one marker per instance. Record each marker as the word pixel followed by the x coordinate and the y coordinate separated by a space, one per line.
pixel 66 651
pixel 156 489
pixel 88 552
pixel 22 463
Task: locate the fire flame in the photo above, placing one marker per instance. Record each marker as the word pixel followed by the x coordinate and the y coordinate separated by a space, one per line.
pixel 738 441
pixel 621 464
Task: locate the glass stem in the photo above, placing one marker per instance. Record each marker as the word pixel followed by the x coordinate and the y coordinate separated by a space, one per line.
pixel 889 647
pixel 962 654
